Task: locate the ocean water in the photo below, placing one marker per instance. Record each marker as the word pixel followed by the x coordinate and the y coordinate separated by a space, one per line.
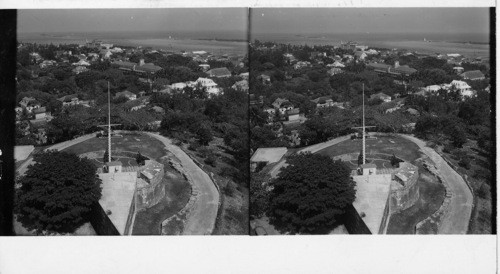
pixel 232 43
pixel 467 44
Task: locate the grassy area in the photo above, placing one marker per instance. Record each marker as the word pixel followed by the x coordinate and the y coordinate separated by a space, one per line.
pixel 232 217
pixel 431 197
pixel 402 148
pixel 131 142
pixel 177 193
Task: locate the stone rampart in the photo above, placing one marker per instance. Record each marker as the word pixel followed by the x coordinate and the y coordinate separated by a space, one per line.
pixel 404 195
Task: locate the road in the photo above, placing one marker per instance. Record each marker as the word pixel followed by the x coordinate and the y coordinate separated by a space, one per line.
pixel 60 146
pixel 201 218
pixel 456 220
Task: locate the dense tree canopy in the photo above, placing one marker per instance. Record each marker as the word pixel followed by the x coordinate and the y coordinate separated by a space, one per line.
pixel 310 193
pixel 57 192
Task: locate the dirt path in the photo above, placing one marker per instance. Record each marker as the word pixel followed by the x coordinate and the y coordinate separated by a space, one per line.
pixel 456 220
pixel 201 219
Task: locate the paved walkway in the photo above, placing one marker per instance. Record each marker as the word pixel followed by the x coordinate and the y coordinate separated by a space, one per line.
pixel 201 219
pixel 313 149
pixel 456 220
pixel 60 146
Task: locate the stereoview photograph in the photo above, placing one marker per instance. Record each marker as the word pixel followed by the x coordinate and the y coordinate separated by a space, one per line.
pixel 132 122
pixel 371 121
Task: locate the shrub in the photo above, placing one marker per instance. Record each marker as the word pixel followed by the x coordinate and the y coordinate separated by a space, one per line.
pixel 465 162
pixel 193 146
pixel 395 160
pixel 482 191
pixel 448 148
pixel 204 152
pixel 228 190
pixel 211 160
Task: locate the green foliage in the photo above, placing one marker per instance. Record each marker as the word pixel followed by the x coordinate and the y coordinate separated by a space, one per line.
pixel 228 190
pixel 310 193
pixel 395 161
pixel 140 159
pixel 204 134
pixel 211 160
pixel 105 158
pixel 446 125
pixel 465 162
pixel 57 192
pixel 259 195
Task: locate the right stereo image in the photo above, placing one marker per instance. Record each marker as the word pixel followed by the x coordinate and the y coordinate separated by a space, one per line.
pixel 371 121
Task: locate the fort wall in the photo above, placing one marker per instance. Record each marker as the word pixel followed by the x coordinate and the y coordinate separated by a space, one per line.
pixel 404 195
pixel 149 189
pixel 100 221
pixel 354 222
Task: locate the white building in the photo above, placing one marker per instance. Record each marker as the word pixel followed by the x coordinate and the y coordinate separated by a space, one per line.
pixel 81 63
pixel 463 88
pixel 178 86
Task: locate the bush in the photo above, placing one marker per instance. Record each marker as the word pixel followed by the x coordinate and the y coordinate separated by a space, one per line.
pixel 482 192
pixel 395 161
pixel 465 162
pixel 458 154
pixel 228 190
pixel 193 146
pixel 211 160
pixel 448 148
pixel 204 152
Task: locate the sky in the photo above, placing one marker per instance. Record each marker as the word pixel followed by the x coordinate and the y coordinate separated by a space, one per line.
pixel 113 20
pixel 373 20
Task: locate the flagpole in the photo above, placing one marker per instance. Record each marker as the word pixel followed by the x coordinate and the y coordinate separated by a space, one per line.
pixel 109 126
pixel 364 144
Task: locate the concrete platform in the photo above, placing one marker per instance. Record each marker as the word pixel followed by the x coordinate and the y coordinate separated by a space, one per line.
pixel 269 155
pixel 372 194
pixel 117 196
pixel 22 152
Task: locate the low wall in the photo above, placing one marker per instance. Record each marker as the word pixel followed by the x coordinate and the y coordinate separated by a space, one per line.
pixel 129 226
pixel 443 209
pixel 192 199
pixel 387 210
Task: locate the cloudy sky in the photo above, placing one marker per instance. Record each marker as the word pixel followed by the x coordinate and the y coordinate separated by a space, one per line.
pixel 218 19
pixel 374 20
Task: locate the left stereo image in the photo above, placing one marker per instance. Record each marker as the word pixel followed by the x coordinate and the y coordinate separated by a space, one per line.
pixel 131 122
